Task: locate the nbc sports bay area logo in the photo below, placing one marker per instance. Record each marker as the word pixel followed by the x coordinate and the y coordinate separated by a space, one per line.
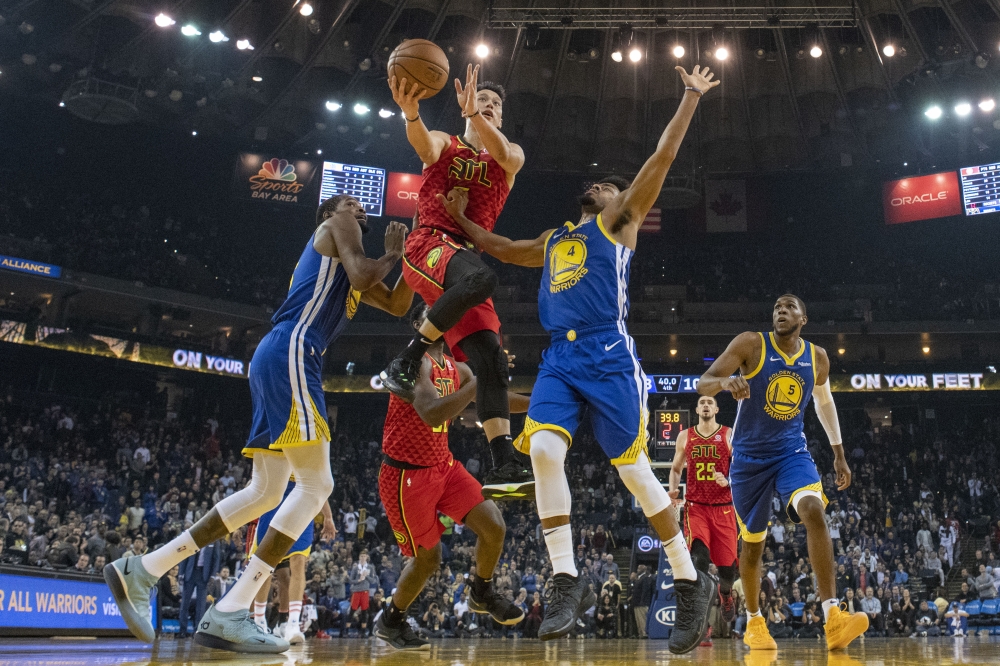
pixel 276 181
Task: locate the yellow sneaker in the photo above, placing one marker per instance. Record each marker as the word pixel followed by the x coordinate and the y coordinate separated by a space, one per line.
pixel 843 628
pixel 757 637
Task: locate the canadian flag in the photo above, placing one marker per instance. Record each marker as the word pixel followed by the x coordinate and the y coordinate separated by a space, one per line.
pixel 652 221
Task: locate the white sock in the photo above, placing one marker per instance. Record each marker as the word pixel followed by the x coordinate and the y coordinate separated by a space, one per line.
pixel 260 614
pixel 828 605
pixel 294 613
pixel 169 555
pixel 680 558
pixel 751 616
pixel 244 592
pixel 559 542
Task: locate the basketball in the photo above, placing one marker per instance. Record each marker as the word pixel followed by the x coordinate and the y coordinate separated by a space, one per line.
pixel 421 61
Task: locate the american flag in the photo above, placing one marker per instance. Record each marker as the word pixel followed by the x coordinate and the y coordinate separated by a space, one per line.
pixel 652 221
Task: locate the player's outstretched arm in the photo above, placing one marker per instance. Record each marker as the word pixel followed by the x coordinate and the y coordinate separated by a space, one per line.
pixel 340 237
pixel 528 253
pixel 508 155
pixel 630 207
pixel 743 352
pixel 435 409
pixel 428 144
pixel 395 301
pixel 676 467
pixel 826 410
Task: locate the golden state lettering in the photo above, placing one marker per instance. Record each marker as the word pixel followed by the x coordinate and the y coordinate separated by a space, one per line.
pixel 783 399
pixel 566 263
pixel 463 169
pixel 20 601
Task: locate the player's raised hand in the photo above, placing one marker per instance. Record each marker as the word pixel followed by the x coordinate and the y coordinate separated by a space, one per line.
pixel 699 78
pixel 675 498
pixel 737 386
pixel 406 96
pixel 455 202
pixel 395 237
pixel 467 95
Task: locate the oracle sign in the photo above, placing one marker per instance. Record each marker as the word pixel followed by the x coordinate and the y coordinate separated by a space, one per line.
pixel 401 194
pixel 921 198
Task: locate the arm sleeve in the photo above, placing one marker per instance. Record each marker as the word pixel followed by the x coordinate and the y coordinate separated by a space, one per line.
pixel 826 410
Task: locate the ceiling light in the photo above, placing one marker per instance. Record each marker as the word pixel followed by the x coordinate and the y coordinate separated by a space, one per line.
pixel 926 350
pixel 721 53
pixel 256 79
pixel 934 112
pixel 365 64
pixel 982 60
pixel 889 50
pixel 361 109
pixel 616 55
pixel 190 31
pixel 678 51
pixel 963 108
pixel 163 20
pixel 385 113
pixel 594 53
pixel 244 45
pixel 306 9
pixel 319 151
pixel 217 37
pixel 62 104
pixel 635 55
pixel 760 53
pixel 842 50
pixel 333 106
pixel 987 105
pixel 673 352
pixel 816 51
pixel 193 133
pixel 482 50
pixel 841 351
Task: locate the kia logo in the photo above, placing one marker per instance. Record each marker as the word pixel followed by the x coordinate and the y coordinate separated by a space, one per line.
pixel 921 198
pixel 645 543
pixel 665 615
pixel 406 196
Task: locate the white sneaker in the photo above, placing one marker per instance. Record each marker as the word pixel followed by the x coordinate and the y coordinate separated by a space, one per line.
pixel 293 634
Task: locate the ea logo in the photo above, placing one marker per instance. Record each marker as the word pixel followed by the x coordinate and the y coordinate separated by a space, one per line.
pixel 784 395
pixel 665 616
pixel 645 543
pixel 406 196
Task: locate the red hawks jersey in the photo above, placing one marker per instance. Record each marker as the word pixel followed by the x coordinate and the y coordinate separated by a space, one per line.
pixel 461 165
pixel 406 437
pixel 705 456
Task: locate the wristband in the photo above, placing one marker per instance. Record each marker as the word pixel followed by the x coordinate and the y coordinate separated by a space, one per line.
pixel 412 120
pixel 700 92
pixel 473 115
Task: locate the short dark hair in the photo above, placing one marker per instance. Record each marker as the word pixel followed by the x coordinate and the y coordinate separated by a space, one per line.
pixel 416 314
pixel 802 304
pixel 495 87
pixel 329 206
pixel 621 182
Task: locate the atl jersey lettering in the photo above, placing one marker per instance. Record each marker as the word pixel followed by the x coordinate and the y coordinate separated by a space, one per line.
pixel 705 456
pixel 461 165
pixel 769 422
pixel 406 437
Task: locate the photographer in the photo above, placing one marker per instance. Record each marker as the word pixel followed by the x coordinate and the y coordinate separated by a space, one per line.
pixel 432 622
pixel 812 622
pixel 777 620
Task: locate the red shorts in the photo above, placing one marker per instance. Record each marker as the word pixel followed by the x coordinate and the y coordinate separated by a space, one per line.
pixel 359 600
pixel 413 498
pixel 714 526
pixel 425 261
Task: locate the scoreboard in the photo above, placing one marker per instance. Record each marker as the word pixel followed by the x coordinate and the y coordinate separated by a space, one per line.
pixel 668 424
pixel 364 183
pixel 981 189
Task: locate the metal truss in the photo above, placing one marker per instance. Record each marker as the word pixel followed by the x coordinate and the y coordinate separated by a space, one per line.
pixel 568 18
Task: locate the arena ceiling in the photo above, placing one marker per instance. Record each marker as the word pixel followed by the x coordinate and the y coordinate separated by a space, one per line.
pixel 569 103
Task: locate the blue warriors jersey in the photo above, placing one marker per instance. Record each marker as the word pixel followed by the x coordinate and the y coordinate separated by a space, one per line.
pixel 585 279
pixel 769 422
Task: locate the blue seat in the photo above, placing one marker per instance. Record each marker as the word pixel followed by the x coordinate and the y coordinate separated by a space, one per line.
pixel 973 608
pixel 797 609
pixel 345 607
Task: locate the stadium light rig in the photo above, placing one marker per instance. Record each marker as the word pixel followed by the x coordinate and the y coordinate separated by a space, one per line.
pixel 889 50
pixel 306 9
pixel 333 106
pixel 635 55
pixel 721 53
pixel 816 51
pixel 217 36
pixel 987 105
pixel 963 108
pixel 482 50
pixel 190 31
pixel 678 51
pixel 934 112
pixel 385 113
pixel 163 20
pixel 361 109
pixel 244 45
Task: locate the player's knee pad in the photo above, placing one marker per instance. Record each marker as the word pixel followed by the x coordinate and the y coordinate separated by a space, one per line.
pixel 548 458
pixel 700 555
pixel 313 486
pixel 489 363
pixel 638 477
pixel 264 492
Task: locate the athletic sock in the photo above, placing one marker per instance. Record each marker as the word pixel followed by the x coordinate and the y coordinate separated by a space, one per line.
pixel 751 616
pixel 294 613
pixel 169 555
pixel 502 450
pixel 559 542
pixel 829 605
pixel 680 558
pixel 260 614
pixel 244 591
pixel 394 616
pixel 417 348
pixel 481 586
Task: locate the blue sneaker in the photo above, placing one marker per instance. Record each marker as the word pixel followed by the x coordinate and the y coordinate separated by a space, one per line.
pixel 131 584
pixel 236 632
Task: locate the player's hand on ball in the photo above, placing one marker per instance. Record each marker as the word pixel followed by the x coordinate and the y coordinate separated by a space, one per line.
pixel 721 479
pixel 737 386
pixel 395 237
pixel 455 202
pixel 407 96
pixel 675 498
pixel 467 95
pixel 699 78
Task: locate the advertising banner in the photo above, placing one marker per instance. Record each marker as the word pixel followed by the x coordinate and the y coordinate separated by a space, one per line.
pixel 725 206
pixel 29 266
pixel 276 179
pixel 401 194
pixel 921 198
pixel 663 609
pixel 920 381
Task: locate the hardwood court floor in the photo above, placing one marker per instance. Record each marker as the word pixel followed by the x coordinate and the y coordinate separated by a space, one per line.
pixel 592 652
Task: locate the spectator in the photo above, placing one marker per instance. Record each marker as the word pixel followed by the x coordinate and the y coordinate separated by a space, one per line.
pixel 196 571
pixel 872 607
pixel 219 584
pixel 536 612
pixel 927 623
pixel 985 586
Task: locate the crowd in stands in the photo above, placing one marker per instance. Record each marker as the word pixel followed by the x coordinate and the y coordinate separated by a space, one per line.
pixel 84 481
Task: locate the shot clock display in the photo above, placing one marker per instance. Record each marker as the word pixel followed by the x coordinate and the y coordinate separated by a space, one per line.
pixel 668 425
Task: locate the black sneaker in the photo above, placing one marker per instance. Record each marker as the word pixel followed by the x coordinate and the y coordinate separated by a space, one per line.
pixel 694 600
pixel 503 611
pixel 400 377
pixel 570 598
pixel 401 637
pixel 511 481
pixel 728 606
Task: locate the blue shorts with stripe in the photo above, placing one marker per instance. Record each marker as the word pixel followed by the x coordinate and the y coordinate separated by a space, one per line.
pixel 595 368
pixel 302 545
pixel 286 386
pixel 755 480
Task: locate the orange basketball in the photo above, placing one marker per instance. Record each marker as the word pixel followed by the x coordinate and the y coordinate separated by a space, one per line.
pixel 421 61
